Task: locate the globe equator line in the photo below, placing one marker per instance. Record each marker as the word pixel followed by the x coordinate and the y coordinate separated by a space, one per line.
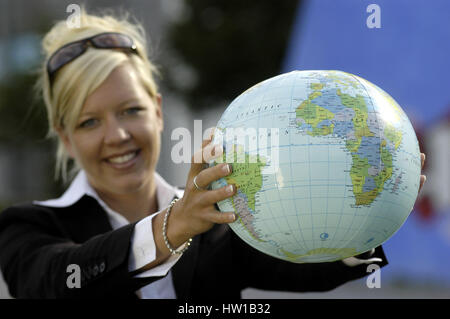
pixel 306 185
pixel 375 217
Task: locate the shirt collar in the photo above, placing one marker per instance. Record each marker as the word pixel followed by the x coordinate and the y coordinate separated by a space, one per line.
pixel 80 187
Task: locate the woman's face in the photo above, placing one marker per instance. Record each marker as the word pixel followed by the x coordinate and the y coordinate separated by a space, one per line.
pixel 116 139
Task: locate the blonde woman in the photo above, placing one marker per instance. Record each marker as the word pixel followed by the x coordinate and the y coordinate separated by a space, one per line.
pixel 119 224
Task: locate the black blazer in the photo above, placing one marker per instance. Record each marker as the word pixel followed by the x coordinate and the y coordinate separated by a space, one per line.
pixel 37 244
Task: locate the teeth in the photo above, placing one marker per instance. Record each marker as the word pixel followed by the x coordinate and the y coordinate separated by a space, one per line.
pixel 122 159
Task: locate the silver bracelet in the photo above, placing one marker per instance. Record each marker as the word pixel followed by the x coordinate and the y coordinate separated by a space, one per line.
pixel 173 251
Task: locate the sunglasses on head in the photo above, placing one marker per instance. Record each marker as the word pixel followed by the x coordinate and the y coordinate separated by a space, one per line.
pixel 71 51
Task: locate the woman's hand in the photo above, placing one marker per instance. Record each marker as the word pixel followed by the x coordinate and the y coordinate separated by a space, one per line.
pixel 195 212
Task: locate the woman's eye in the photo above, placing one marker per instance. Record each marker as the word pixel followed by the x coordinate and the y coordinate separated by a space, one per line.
pixel 88 123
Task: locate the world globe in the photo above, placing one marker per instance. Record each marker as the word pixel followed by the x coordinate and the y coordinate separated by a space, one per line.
pixel 326 165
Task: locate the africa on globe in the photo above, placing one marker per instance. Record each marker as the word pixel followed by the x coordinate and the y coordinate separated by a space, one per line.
pixel 326 164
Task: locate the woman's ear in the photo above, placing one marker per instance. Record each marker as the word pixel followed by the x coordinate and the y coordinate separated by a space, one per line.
pixel 64 137
pixel 159 115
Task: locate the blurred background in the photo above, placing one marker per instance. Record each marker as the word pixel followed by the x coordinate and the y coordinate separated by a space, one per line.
pixel 209 52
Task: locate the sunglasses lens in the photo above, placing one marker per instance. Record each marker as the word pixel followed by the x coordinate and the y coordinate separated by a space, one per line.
pixel 65 55
pixel 112 40
pixel 75 49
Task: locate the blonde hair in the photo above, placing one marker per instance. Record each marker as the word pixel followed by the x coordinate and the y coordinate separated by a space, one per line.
pixel 73 83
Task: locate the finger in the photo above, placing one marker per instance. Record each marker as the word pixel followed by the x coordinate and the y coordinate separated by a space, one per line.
pixel 219 217
pixel 214 196
pixel 211 174
pixel 422 159
pixel 423 179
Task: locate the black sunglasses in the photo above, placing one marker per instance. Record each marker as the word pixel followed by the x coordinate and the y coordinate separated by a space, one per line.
pixel 71 51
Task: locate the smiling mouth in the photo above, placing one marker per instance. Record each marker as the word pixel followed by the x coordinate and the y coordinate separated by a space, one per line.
pixel 123 159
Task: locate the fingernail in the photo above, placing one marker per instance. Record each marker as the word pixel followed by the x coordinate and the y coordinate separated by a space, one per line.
pixel 226 169
pixel 230 188
pixel 232 217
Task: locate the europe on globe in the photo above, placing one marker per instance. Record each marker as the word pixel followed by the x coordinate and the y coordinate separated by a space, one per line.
pixel 326 164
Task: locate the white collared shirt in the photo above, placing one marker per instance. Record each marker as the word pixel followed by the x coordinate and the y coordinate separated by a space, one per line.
pixel 143 250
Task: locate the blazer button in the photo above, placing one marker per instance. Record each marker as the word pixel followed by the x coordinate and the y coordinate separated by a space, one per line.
pixel 102 267
pixel 95 270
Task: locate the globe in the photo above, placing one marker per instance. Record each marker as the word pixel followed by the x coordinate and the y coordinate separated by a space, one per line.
pixel 326 165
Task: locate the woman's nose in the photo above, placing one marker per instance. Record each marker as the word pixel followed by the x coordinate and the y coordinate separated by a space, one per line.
pixel 115 133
